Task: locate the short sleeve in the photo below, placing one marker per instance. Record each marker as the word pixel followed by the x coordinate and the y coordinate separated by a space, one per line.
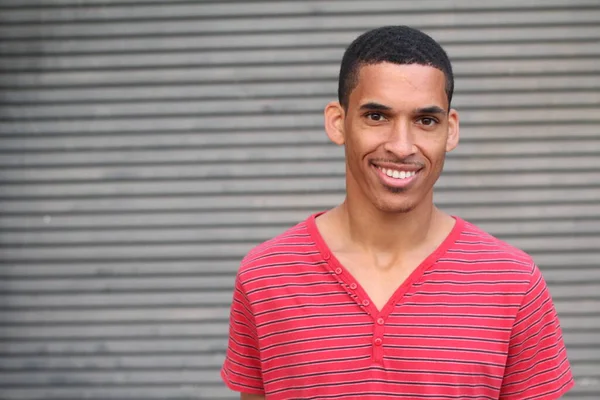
pixel 537 365
pixel 242 367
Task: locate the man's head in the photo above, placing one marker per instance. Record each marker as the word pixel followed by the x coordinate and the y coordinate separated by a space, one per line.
pixel 393 118
pixel 393 44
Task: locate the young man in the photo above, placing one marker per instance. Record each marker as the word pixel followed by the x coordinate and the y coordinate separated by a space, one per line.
pixel 386 296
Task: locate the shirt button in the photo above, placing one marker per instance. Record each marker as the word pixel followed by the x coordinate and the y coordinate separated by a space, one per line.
pixel 366 303
pixel 338 271
pixel 326 256
pixel 353 286
pixel 378 342
pixel 380 321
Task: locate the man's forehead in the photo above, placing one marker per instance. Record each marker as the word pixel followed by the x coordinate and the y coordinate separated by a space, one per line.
pixel 373 105
pixel 390 84
pixel 412 75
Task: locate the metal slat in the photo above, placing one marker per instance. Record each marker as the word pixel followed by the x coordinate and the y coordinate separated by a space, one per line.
pixel 563 263
pixel 165 315
pixel 122 268
pixel 277 73
pixel 189 376
pixel 45 279
pixel 86 198
pixel 165 236
pixel 208 391
pixel 118 283
pixel 498 212
pixel 288 56
pixel 180 207
pixel 469 90
pixel 182 377
pixel 328 160
pixel 184 346
pixel 156 299
pixel 579 266
pixel 102 363
pixel 146 391
pixel 281 218
pixel 131 252
pixel 129 295
pixel 67 146
pixel 134 362
pixel 241 25
pixel 217 250
pixel 287 121
pixel 172 331
pixel 446 36
pixel 166 347
pixel 456 4
pixel 259 216
pixel 116 347
pixel 116 270
pixel 243 105
pixel 228 211
pixel 51 235
pixel 298 183
pixel 128 11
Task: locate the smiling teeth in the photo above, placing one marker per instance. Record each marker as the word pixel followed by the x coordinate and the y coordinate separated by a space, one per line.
pixel 392 173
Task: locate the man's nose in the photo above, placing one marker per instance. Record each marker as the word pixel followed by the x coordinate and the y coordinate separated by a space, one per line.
pixel 401 140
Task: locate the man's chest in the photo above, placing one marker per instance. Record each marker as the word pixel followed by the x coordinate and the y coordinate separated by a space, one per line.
pixel 428 343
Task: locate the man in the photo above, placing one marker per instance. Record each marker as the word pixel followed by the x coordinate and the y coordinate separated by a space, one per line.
pixel 386 296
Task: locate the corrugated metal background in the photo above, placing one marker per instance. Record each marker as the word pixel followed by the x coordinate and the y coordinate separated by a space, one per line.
pixel 145 146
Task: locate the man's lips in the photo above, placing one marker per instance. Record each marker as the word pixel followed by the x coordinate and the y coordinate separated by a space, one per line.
pixel 398 176
pixel 398 166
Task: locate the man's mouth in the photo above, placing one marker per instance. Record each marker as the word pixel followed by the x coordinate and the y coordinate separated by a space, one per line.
pixel 397 173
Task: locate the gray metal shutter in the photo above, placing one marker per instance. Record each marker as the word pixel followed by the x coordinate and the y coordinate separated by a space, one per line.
pixel 146 145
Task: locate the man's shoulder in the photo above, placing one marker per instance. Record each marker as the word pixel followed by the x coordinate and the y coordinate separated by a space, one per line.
pixel 475 245
pixel 282 251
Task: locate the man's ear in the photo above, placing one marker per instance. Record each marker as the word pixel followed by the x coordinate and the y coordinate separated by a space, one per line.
pixel 334 122
pixel 453 130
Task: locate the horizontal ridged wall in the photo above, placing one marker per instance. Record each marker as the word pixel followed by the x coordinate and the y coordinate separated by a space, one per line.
pixel 146 146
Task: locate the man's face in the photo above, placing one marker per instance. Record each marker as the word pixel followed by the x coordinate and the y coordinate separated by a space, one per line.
pixel 396 131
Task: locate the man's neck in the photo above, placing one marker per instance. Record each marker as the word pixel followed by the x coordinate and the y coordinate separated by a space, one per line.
pixel 374 231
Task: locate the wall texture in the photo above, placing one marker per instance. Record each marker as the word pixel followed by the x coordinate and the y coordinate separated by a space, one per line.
pixel 146 145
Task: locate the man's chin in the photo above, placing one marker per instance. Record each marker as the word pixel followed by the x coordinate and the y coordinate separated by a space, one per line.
pixel 395 190
pixel 395 207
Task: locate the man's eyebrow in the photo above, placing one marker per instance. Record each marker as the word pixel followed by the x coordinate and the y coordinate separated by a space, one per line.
pixel 375 106
pixel 430 110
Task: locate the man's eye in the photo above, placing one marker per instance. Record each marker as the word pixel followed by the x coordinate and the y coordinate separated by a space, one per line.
pixel 377 117
pixel 426 121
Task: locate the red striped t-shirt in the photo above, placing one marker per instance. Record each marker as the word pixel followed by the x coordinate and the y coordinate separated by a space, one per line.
pixel 473 321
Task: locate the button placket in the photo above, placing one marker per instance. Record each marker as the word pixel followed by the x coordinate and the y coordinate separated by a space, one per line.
pixel 378 339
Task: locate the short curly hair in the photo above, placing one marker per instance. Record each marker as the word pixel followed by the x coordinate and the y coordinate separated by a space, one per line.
pixel 394 44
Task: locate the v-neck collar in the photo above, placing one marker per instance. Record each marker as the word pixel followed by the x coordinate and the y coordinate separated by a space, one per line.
pixel 334 265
